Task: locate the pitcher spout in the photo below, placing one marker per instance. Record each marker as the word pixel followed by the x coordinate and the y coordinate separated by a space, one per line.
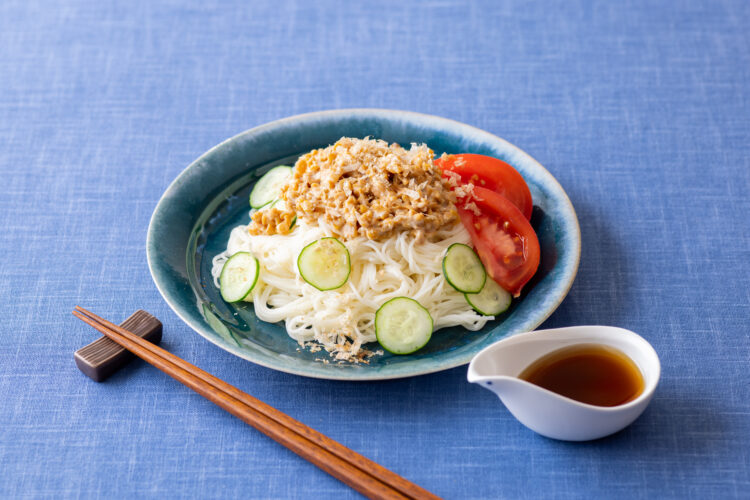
pixel 501 385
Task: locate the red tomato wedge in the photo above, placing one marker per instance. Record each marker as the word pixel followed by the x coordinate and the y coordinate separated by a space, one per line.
pixel 504 240
pixel 490 173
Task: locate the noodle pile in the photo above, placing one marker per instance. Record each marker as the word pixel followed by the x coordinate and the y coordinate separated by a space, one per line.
pixel 343 320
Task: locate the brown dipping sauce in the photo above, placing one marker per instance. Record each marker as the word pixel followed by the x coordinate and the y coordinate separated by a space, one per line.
pixel 590 373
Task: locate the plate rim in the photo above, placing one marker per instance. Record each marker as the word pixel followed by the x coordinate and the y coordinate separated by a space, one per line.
pixel 385 114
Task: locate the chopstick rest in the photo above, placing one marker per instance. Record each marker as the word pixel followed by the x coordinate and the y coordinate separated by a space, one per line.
pixel 103 357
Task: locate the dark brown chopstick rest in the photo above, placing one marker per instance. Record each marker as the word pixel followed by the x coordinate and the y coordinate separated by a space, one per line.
pixel 103 357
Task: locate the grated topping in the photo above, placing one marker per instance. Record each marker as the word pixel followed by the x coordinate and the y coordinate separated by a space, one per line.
pixel 271 221
pixel 365 187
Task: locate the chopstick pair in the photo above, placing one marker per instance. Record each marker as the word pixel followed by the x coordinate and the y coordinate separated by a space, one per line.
pixel 353 469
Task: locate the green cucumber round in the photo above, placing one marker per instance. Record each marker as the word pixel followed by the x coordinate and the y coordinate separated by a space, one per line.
pixel 325 264
pixel 491 300
pixel 268 187
pixel 238 276
pixel 403 325
pixel 462 269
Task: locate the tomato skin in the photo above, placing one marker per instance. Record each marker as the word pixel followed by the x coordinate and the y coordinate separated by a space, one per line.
pixel 504 240
pixel 490 173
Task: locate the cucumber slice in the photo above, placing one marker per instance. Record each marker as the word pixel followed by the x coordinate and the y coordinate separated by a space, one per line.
pixel 325 264
pixel 491 301
pixel 463 269
pixel 403 325
pixel 238 276
pixel 268 187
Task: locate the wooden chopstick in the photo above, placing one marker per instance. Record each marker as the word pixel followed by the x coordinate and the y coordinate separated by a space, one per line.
pixel 353 469
pixel 340 468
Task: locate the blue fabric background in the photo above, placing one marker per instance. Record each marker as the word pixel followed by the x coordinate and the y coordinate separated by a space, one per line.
pixel 640 109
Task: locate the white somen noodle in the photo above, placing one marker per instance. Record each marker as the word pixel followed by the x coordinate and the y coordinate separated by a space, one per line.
pixel 342 320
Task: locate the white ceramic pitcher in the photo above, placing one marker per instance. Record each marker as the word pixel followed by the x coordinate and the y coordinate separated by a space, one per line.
pixel 497 368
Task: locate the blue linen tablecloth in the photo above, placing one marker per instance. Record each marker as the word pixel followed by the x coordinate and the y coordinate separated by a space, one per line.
pixel 640 109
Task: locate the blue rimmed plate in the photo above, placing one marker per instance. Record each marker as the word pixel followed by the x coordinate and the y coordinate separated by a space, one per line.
pixel 192 221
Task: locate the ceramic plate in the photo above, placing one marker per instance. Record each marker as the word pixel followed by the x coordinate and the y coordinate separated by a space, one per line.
pixel 192 221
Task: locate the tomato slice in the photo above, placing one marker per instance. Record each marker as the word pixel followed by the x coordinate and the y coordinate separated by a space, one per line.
pixel 490 173
pixel 504 240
